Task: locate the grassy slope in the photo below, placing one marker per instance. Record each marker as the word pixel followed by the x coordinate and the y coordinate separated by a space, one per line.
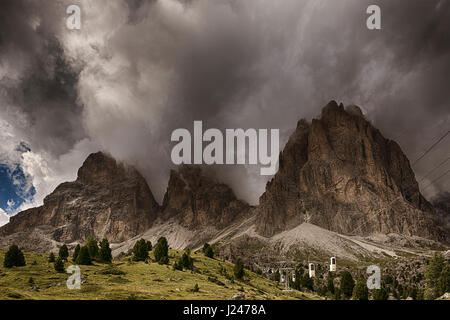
pixel 140 281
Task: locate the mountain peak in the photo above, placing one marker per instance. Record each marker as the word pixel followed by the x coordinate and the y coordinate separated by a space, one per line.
pixel 341 174
pixel 198 200
pixel 108 200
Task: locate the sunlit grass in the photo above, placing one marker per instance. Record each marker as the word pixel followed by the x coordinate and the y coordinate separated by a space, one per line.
pixel 137 280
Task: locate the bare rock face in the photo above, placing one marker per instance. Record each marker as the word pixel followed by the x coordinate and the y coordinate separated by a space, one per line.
pixel 197 200
pixel 340 173
pixel 441 204
pixel 107 200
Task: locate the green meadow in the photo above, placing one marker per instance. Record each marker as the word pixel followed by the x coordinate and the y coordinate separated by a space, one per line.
pixel 125 279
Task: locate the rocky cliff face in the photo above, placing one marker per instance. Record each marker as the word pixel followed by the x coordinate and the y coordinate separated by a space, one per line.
pixel 340 173
pixel 197 200
pixel 108 199
pixel 337 172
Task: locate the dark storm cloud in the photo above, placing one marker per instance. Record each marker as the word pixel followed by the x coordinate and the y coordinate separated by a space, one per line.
pixel 140 68
pixel 41 85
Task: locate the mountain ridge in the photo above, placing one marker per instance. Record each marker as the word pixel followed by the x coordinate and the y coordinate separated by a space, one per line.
pixel 337 172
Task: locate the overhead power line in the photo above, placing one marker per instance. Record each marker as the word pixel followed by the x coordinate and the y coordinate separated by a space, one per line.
pixel 434 169
pixel 431 148
pixel 438 178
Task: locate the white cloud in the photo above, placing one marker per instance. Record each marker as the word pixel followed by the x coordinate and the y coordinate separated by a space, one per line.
pixel 4 218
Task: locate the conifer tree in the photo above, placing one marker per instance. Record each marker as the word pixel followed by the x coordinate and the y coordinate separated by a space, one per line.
pixel 92 246
pixel 347 284
pixel 63 252
pixel 59 265
pixel 238 270
pixel 76 251
pixel 14 257
pixel 360 291
pixel 83 257
pixel 161 251
pixel 140 252
pixel 209 252
pixel 105 251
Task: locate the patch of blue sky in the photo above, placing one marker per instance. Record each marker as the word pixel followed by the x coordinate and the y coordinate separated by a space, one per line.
pixel 15 188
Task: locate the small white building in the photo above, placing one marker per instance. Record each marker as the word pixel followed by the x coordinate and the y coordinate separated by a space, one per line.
pixel 333 264
pixel 312 270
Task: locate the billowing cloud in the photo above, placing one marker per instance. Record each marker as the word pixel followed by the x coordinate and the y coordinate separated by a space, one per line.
pixel 4 218
pixel 139 69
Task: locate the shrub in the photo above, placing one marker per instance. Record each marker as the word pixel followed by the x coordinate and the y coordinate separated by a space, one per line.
pixel 238 270
pixel 111 270
pixel 196 288
pixel 51 257
pixel 63 252
pixel 14 257
pixel 214 279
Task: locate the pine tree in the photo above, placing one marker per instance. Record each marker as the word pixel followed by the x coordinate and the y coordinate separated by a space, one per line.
pixel 205 246
pixel 360 291
pixel 140 252
pixel 161 251
pixel 149 246
pixel 277 276
pixel 14 257
pixel 380 294
pixel 238 270
pixel 443 284
pixel 105 251
pixel 307 282
pixel 437 275
pixel 196 288
pixel 92 246
pixel 76 251
pixel 83 257
pixel 186 261
pixel 337 294
pixel 63 252
pixel 51 257
pixel 347 284
pixel 209 252
pixel 330 285
pixel 59 265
